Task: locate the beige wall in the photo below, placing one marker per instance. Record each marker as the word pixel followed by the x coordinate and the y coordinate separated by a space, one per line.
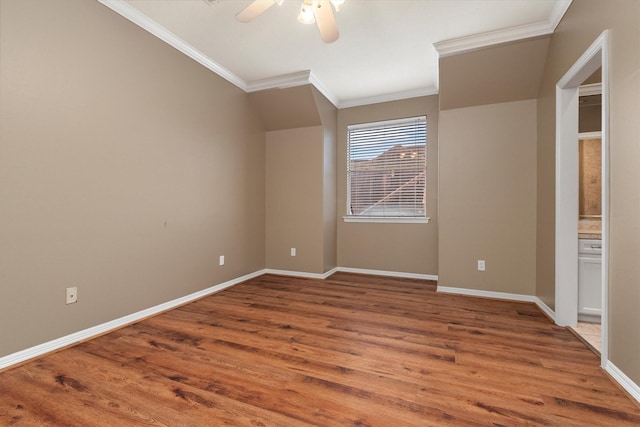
pixel 294 199
pixel 584 22
pixel 289 108
pixel 492 75
pixel 487 197
pixel 329 115
pixel 126 169
pixel 410 248
pixel 300 178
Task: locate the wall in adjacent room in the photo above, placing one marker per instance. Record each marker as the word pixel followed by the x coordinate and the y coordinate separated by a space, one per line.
pixel 126 169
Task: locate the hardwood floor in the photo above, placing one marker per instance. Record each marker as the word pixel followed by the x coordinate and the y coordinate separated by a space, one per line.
pixel 351 350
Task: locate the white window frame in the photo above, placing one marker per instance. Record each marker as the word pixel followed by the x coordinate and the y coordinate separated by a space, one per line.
pixel 349 217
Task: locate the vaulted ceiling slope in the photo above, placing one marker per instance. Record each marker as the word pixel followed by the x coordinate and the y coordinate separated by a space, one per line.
pixel 387 49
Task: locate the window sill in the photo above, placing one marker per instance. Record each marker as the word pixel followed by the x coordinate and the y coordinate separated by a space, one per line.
pixel 389 220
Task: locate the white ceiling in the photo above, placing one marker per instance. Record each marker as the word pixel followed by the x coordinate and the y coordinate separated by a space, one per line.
pixel 388 49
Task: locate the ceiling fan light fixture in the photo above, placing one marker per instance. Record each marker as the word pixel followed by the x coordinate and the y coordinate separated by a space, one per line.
pixel 312 11
pixel 337 4
pixel 306 14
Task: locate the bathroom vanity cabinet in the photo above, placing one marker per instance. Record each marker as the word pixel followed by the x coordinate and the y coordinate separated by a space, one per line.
pixel 589 280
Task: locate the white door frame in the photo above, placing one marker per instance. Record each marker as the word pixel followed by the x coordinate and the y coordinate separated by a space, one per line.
pixel 566 239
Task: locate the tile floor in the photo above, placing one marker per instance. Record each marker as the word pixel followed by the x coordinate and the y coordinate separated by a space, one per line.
pixel 590 332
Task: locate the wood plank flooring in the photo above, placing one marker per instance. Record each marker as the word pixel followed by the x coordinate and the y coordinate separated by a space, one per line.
pixel 351 350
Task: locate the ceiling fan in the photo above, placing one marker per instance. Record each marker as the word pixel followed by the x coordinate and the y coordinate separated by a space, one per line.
pixel 318 11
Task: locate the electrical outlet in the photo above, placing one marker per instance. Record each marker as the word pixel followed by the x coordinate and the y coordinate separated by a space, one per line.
pixel 481 265
pixel 221 259
pixel 71 295
pixel 293 251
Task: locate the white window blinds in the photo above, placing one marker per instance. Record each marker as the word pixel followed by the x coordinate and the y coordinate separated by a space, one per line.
pixel 386 168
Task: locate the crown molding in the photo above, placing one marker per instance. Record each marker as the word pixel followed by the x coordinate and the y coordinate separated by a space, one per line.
pixel 324 90
pixel 306 77
pixel 395 96
pixel 477 41
pixel 141 20
pixel 300 78
pixel 279 82
pixel 444 48
pixel 559 9
pixel 284 81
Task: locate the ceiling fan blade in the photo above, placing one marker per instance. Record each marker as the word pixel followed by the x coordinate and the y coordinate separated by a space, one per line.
pixel 326 21
pixel 252 11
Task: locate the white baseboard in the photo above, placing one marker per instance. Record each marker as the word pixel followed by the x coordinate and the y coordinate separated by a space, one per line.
pixel 92 332
pixel 351 270
pixel 625 382
pixel 545 308
pixel 500 295
pixel 24 355
pixel 486 294
pixel 76 337
pixel 387 273
pixel 302 274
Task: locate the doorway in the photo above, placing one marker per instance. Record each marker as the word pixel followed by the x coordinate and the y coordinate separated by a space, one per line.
pixel 590 222
pixel 567 191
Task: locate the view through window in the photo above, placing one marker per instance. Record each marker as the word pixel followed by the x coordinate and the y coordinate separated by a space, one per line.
pixel 386 168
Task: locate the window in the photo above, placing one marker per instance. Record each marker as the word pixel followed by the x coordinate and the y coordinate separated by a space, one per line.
pixel 386 170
